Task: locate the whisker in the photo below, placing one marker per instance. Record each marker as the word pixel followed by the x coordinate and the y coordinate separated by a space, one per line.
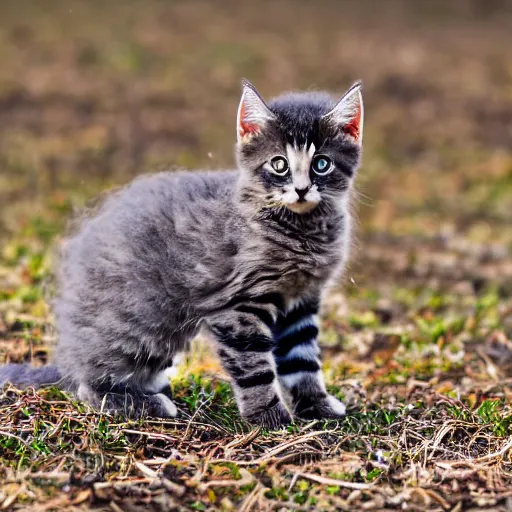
pixel 359 196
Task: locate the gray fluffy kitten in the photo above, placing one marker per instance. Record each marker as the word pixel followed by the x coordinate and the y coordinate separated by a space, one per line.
pixel 244 255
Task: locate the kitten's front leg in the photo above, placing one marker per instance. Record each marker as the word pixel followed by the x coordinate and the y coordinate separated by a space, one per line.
pixel 246 343
pixel 298 364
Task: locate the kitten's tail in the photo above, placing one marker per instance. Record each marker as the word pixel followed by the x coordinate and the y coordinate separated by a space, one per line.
pixel 24 375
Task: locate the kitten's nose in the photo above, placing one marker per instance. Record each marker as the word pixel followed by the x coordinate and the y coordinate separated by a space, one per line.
pixel 301 192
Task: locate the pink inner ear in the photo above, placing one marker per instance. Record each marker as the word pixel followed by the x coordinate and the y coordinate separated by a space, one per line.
pixel 245 127
pixel 352 127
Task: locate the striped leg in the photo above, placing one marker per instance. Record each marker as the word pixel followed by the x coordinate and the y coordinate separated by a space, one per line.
pixel 298 363
pixel 245 348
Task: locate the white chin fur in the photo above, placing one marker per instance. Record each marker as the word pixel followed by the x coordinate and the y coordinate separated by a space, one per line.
pixel 301 207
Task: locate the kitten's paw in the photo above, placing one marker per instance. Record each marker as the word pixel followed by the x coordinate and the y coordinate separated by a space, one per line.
pixel 143 406
pixel 136 406
pixel 272 417
pixel 161 406
pixel 133 404
pixel 315 408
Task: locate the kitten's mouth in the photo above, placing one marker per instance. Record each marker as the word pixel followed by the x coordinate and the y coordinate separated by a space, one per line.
pixel 299 203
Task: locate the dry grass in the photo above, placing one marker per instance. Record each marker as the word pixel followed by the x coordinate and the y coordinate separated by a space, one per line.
pixel 418 341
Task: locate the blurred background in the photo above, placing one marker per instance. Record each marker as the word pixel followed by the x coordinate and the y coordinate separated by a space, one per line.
pixel 93 93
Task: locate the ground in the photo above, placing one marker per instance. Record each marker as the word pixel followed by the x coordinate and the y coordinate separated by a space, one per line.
pixel 417 339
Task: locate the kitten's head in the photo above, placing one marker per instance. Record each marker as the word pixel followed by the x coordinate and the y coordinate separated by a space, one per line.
pixel 299 151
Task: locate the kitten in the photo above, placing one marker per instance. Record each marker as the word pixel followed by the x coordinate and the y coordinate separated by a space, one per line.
pixel 243 255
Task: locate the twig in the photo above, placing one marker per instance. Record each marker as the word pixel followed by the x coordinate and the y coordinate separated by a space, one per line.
pixel 252 499
pixel 8 434
pixel 173 487
pixel 61 476
pixel 332 481
pixel 191 420
pixel 499 453
pixel 244 440
pixel 294 480
pixel 246 479
pixel 151 435
pixel 280 448
pixel 122 483
pixel 483 458
pixel 148 472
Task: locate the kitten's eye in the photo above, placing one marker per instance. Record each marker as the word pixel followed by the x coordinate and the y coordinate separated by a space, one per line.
pixel 279 165
pixel 322 165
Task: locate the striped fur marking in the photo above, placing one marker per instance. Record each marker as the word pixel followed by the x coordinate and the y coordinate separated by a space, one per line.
pixel 309 320
pixel 243 342
pixel 259 312
pixel 296 314
pixel 304 351
pixel 306 335
pixel 258 379
pixel 292 380
pixel 288 366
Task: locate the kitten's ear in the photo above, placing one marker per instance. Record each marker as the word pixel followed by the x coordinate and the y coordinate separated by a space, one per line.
pixel 253 113
pixel 348 114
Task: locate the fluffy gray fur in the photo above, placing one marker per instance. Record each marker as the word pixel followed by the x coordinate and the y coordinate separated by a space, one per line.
pixel 244 255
